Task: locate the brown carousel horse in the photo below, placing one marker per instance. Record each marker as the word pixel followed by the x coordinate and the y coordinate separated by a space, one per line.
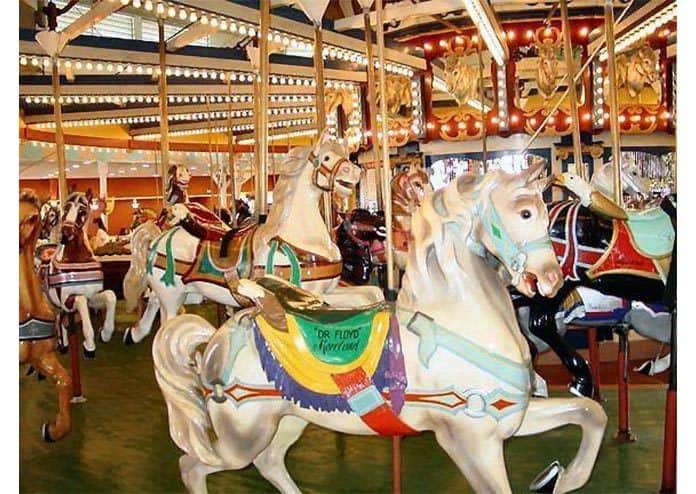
pixel 73 278
pixel 37 337
pixel 362 234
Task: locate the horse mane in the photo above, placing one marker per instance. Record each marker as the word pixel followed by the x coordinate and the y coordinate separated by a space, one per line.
pixel 440 228
pixel 29 196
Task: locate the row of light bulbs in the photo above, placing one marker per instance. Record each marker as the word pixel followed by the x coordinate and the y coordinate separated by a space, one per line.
pixel 287 135
pixel 226 24
pixel 225 128
pixel 644 29
pixel 177 117
pixel 186 72
pixel 119 99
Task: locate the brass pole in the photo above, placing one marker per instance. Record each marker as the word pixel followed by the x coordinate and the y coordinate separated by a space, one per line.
pixel 164 122
pixel 570 69
pixel 386 168
pixel 372 104
pixel 484 128
pixel 60 140
pixel 262 176
pixel 230 155
pixel 327 201
pixel 613 101
pixel 210 152
pixel 255 170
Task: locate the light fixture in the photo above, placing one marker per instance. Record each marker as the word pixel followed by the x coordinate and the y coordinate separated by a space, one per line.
pixel 489 27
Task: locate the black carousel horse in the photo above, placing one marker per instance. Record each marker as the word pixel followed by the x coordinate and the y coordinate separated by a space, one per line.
pixel 360 238
pixel 612 256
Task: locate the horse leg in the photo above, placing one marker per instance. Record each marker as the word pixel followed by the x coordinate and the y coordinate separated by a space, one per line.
pixel 169 305
pixel 194 473
pixel 44 358
pixel 271 461
pixel 542 323
pixel 105 300
pixel 135 334
pixel 82 307
pixel 549 413
pixel 480 459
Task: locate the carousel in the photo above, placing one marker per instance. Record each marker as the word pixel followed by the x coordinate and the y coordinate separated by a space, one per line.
pixel 347 246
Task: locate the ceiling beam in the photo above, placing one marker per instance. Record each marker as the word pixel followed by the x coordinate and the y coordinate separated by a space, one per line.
pixel 401 10
pixel 97 13
pixel 189 35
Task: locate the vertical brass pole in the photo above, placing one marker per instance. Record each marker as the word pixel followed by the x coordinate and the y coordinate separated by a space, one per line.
pixel 164 122
pixel 327 201
pixel 570 68
pixel 613 101
pixel 484 128
pixel 60 140
pixel 264 65
pixel 372 104
pixel 230 156
pixel 255 170
pixel 210 152
pixel 386 197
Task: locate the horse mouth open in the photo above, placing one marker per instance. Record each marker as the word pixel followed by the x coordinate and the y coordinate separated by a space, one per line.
pixel 344 187
pixel 530 286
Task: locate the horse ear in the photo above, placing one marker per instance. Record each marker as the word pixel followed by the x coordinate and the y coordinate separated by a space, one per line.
pixel 324 138
pixel 88 195
pixel 536 166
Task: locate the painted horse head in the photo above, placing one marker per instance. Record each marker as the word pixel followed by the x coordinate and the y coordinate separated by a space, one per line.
pixel 633 184
pixel 331 170
pixel 500 215
pixel 29 219
pixel 408 189
pixel 75 214
pixel 177 184
pixel 50 217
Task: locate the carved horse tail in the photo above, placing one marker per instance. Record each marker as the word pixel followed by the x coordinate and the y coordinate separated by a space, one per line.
pixel 176 372
pixel 134 283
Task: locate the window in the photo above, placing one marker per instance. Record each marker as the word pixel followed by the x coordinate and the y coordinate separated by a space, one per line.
pixel 114 26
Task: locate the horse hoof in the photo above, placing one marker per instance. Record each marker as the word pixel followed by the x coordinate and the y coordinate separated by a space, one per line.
pixel 128 338
pixel 581 388
pixel 645 368
pixel 40 377
pixel 46 434
pixel 63 349
pixel 30 370
pixel 101 337
pixel 546 480
pixel 90 354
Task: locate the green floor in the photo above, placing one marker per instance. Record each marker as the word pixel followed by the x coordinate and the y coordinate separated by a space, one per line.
pixel 120 443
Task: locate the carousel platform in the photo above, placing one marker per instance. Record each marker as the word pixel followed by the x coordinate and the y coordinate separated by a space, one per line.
pixel 120 441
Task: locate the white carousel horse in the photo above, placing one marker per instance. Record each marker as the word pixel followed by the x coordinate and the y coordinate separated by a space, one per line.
pixel 294 238
pixel 74 280
pixel 450 360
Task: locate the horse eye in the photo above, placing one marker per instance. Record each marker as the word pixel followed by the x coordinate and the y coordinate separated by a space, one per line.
pixel 525 214
pixel 327 157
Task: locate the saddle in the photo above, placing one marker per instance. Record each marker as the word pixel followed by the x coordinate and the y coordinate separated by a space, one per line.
pixel 331 359
pixel 652 232
pixel 203 223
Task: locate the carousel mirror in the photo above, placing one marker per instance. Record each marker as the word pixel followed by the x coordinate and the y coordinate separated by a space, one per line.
pixel 638 77
pixel 457 88
pixel 540 67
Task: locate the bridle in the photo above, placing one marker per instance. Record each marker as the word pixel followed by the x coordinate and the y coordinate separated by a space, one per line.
pixel 513 254
pixel 328 173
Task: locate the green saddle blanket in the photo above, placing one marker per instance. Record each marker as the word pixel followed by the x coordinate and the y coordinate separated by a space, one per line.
pixel 334 336
pixel 652 231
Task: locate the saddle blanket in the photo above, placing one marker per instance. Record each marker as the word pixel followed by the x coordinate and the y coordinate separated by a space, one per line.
pixel 334 363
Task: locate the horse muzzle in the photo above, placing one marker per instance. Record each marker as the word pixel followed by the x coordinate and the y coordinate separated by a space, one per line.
pixel 68 232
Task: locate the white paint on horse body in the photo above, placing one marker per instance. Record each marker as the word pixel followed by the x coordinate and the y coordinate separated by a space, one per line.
pixel 445 280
